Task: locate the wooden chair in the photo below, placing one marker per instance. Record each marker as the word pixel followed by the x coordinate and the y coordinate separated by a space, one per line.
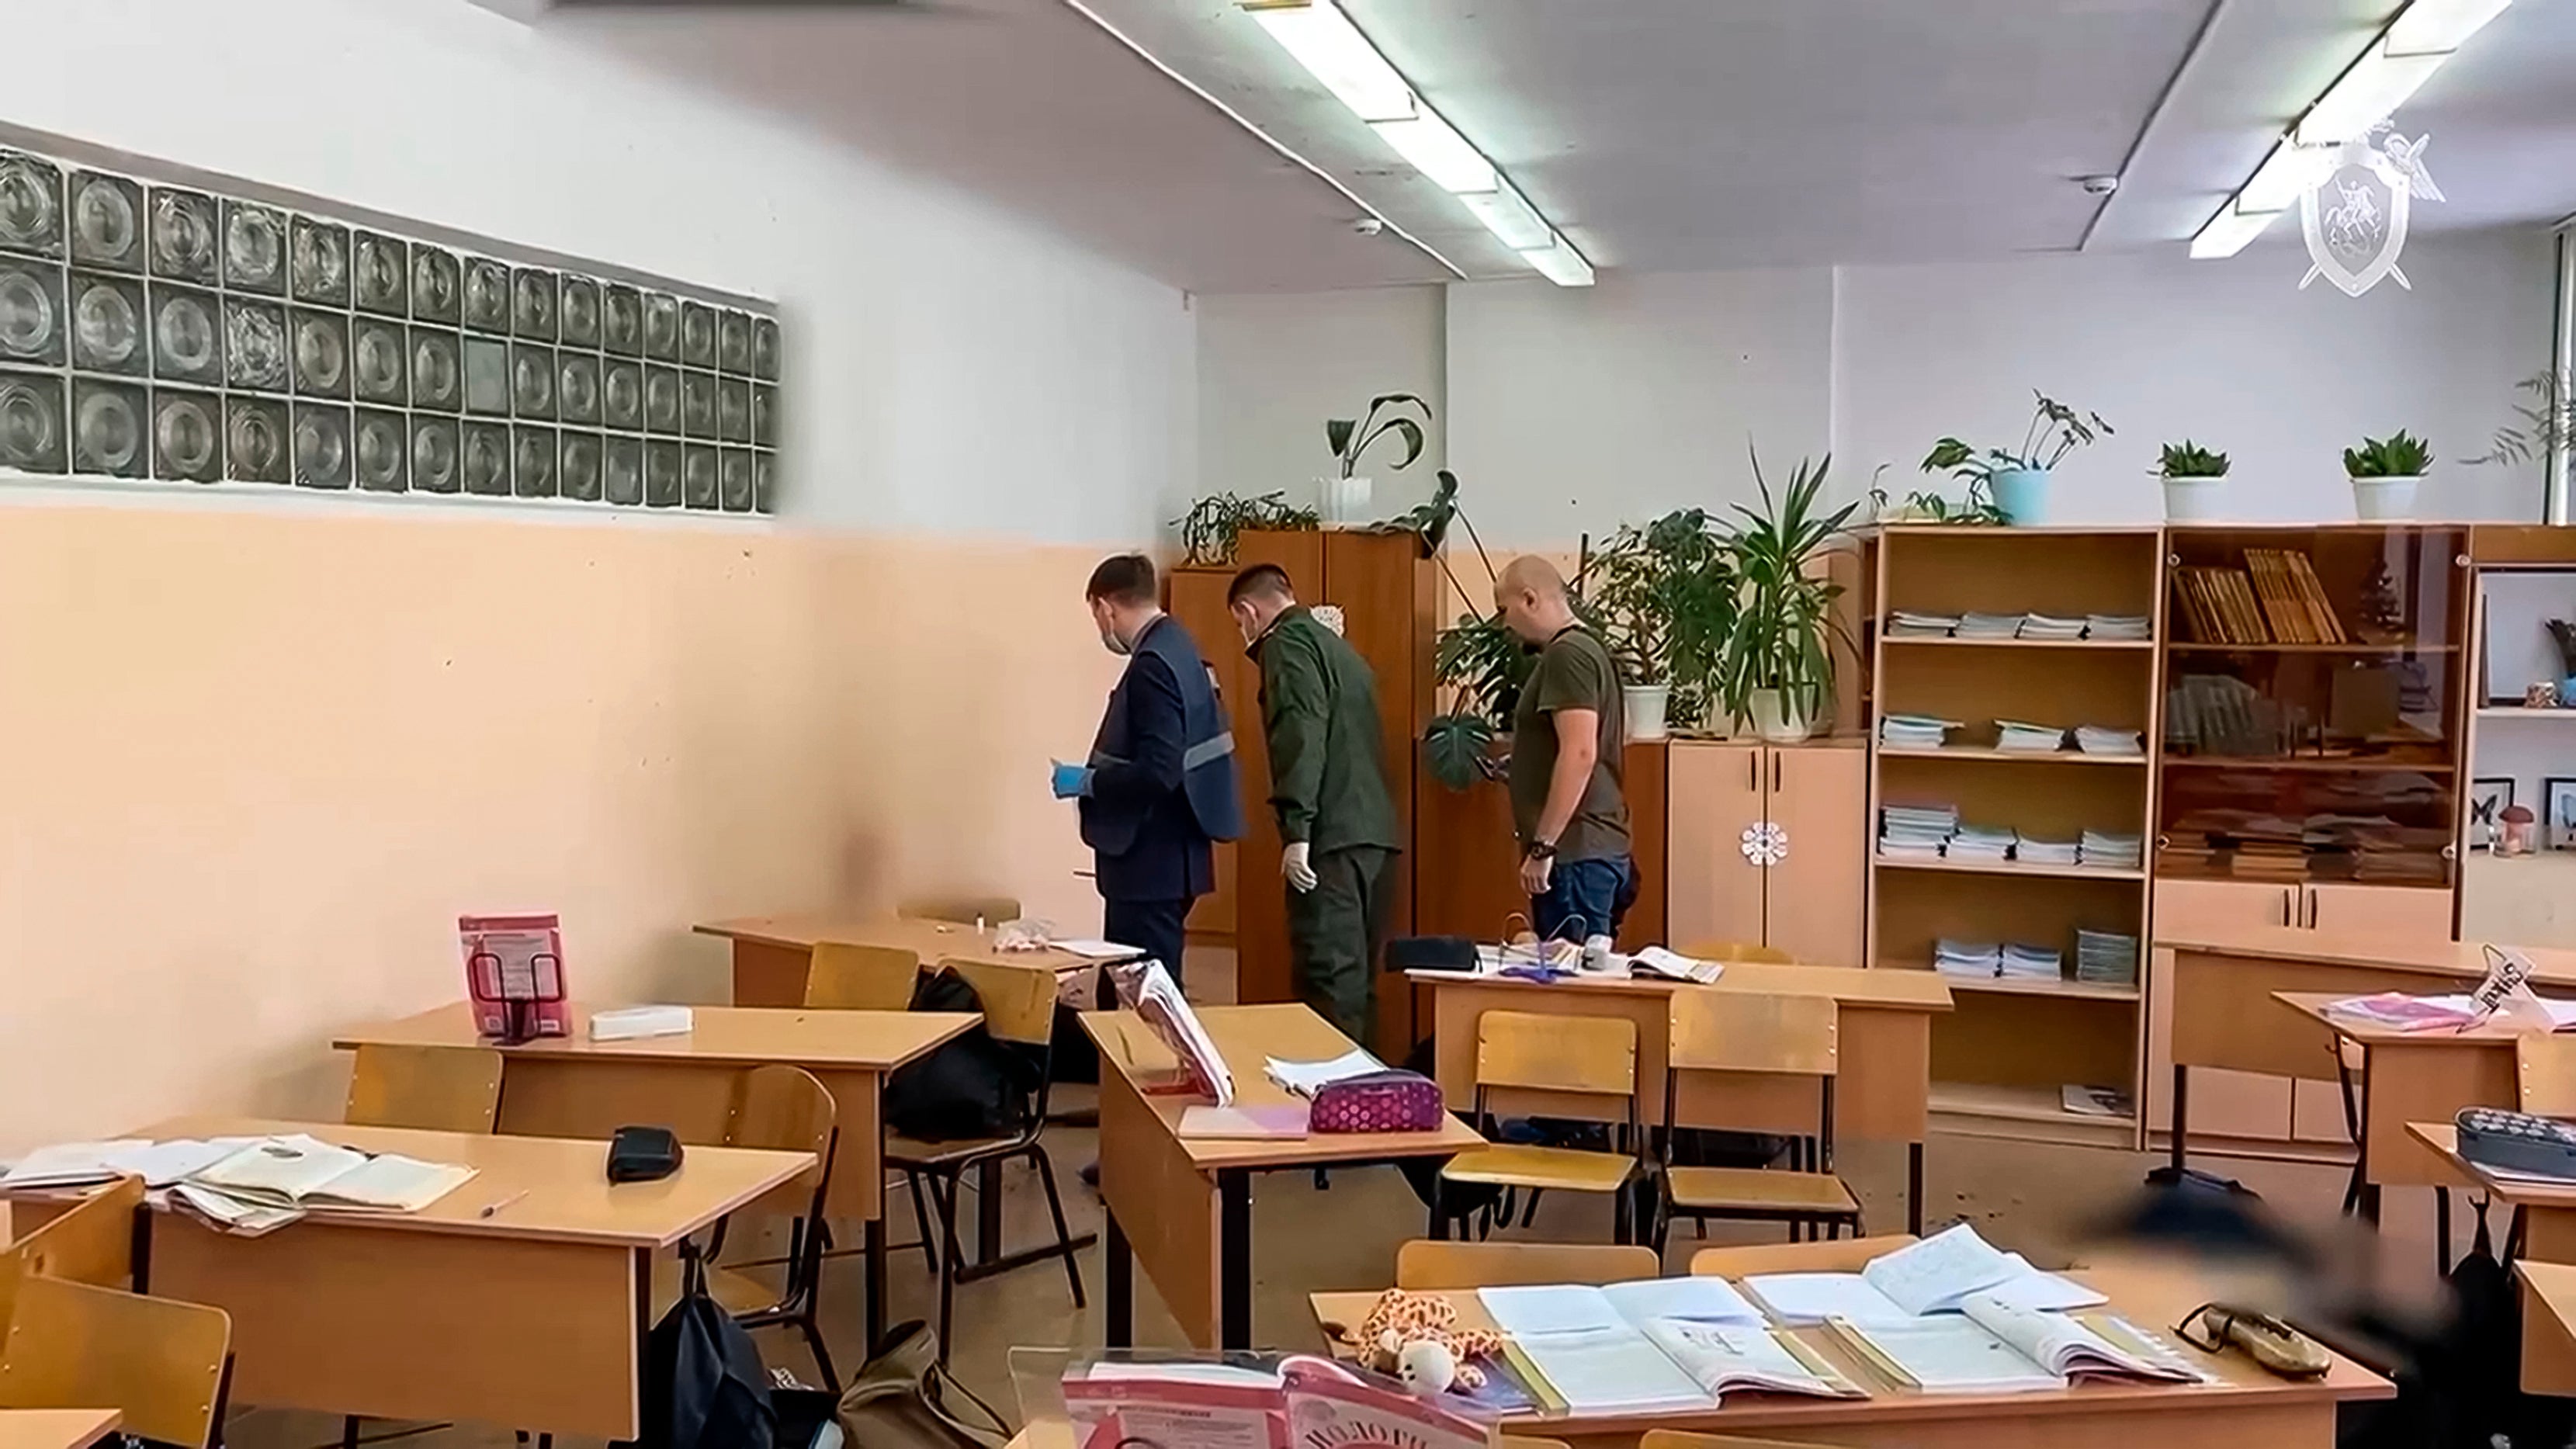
pixel 844 977
pixel 1425 1265
pixel 426 1088
pixel 158 1362
pixel 1583 1056
pixel 962 910
pixel 1681 1439
pixel 1741 1033
pixel 1746 951
pixel 1019 1010
pixel 91 1242
pixel 782 1109
pixel 1842 1255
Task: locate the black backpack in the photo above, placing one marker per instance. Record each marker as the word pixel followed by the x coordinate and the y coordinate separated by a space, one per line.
pixel 704 1386
pixel 969 1086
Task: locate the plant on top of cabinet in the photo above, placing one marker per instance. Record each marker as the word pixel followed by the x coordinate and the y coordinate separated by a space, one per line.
pixel 1345 494
pixel 2385 473
pixel 2019 479
pixel 1209 529
pixel 2548 422
pixel 1775 668
pixel 2192 477
pixel 1666 595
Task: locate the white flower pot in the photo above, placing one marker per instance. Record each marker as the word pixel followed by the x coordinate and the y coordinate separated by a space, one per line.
pixel 1343 500
pixel 2192 500
pixel 1644 704
pixel 1774 719
pixel 2383 498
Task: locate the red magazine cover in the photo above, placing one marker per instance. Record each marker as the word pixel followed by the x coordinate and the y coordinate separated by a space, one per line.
pixel 514 976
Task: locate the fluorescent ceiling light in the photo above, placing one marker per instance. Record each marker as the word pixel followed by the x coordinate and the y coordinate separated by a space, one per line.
pixel 1323 40
pixel 1327 44
pixel 1560 263
pixel 1437 150
pixel 2228 232
pixel 1510 217
pixel 2399 61
pixel 2440 25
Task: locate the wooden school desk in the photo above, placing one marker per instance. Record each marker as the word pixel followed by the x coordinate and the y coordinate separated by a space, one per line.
pixel 520 1300
pixel 55 1428
pixel 1883 1091
pixel 771 954
pixel 2543 1256
pixel 2223 1014
pixel 2412 1076
pixel 576 1087
pixel 2248 1409
pixel 1184 1208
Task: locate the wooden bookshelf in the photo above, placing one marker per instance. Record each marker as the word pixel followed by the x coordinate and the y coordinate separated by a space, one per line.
pixel 2002 1058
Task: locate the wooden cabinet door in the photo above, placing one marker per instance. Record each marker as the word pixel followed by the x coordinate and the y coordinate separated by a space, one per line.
pixel 1711 792
pixel 2379 913
pixel 1815 897
pixel 2223 1103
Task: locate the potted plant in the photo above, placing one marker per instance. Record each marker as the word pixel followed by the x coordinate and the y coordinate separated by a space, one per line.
pixel 2192 474
pixel 2019 480
pixel 1775 668
pixel 1665 595
pixel 2548 422
pixel 1346 494
pixel 1210 528
pixel 2385 473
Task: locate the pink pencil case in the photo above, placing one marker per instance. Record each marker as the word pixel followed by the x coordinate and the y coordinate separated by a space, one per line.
pixel 1389 1101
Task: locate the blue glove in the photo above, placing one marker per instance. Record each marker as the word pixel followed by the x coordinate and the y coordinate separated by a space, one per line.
pixel 1071 780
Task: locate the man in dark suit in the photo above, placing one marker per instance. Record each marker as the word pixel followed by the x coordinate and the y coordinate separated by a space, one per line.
pixel 1160 783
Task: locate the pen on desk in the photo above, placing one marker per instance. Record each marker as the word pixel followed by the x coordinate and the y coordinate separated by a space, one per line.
pixel 490 1208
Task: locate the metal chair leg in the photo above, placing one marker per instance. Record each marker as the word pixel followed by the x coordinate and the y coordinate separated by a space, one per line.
pixel 947 1202
pixel 349 1433
pixel 814 1345
pixel 1055 1209
pixel 921 1221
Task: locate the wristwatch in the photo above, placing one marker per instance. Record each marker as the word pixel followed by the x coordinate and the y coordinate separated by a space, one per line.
pixel 1539 850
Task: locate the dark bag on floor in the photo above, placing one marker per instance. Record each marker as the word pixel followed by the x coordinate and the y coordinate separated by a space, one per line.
pixel 967 1087
pixel 903 1399
pixel 704 1387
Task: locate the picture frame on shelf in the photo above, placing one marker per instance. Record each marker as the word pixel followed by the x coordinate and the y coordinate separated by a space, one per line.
pixel 2558 812
pixel 2488 800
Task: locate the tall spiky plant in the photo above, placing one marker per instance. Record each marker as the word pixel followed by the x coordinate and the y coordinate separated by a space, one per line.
pixel 1784 622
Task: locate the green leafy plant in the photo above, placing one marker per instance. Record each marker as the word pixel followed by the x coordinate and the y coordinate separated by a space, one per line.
pixel 2399 455
pixel 1665 594
pixel 1350 437
pixel 1209 529
pixel 2055 430
pixel 2548 422
pixel 1784 614
pixel 1925 506
pixel 1429 521
pixel 2188 459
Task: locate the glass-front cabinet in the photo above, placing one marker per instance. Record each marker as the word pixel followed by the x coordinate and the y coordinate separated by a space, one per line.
pixel 2314 704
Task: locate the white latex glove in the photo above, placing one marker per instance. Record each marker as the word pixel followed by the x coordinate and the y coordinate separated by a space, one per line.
pixel 1294 865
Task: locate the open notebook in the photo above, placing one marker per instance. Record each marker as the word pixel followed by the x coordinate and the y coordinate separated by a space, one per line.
pixel 1658 1343
pixel 1990 1346
pixel 1932 1276
pixel 306 1172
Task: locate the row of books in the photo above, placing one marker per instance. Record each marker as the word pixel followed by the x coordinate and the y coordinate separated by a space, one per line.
pixel 1935 832
pixel 1907 624
pixel 2008 961
pixel 1929 732
pixel 2275 599
pixel 2106 958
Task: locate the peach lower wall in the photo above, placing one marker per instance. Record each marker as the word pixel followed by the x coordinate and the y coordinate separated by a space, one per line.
pixel 255 764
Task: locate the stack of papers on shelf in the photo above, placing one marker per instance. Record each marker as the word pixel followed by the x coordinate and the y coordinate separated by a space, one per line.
pixel 1303 1078
pixel 1916 832
pixel 2030 850
pixel 1982 842
pixel 1989 626
pixel 1652 1344
pixel 1997 1347
pixel 2097 1101
pixel 2111 852
pixel 2046 626
pixel 2116 626
pixel 2094 740
pixel 1914 731
pixel 1937 1275
pixel 2106 958
pixel 2031 963
pixel 272 1181
pixel 2020 735
pixel 1903 624
pixel 1967 958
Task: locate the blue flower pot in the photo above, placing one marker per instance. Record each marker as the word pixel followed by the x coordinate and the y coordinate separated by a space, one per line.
pixel 2022 494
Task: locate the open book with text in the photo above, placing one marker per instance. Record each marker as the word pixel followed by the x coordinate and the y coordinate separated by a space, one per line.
pixel 1932 1276
pixel 1991 1346
pixel 1656 1343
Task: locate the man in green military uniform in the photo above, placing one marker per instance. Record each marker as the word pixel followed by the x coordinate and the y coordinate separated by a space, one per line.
pixel 1328 787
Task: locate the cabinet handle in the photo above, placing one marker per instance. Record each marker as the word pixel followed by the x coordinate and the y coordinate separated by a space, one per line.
pixel 2289 906
pixel 1775 772
pixel 1753 772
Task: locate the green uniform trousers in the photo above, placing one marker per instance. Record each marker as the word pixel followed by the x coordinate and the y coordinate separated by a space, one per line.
pixel 1334 931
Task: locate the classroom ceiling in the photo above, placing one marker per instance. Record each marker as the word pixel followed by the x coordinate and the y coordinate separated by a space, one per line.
pixel 1660 135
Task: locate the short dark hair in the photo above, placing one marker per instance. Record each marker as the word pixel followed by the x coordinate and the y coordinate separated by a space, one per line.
pixel 1270 581
pixel 1126 578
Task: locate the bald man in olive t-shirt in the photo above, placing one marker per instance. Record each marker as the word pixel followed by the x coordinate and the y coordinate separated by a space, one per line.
pixel 1567 734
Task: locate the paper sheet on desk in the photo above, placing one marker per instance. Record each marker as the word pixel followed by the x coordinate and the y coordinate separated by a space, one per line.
pixel 2433 1013
pixel 1304 1078
pixel 1091 950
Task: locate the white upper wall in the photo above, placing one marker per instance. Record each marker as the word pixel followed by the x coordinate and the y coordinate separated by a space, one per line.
pixel 953 370
pixel 1273 368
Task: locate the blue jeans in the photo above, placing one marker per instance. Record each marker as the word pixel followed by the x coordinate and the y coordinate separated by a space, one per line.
pixel 1585 898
